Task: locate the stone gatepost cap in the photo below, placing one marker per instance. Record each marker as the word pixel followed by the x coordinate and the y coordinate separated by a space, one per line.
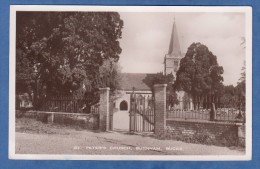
pixel 105 88
pixel 160 85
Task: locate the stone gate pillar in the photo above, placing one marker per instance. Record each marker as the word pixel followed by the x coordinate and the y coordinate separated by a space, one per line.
pixel 160 108
pixel 104 109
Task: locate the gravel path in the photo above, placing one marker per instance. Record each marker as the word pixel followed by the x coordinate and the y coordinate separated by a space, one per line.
pixel 37 138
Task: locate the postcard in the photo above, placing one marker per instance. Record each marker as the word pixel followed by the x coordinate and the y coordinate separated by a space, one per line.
pixel 130 83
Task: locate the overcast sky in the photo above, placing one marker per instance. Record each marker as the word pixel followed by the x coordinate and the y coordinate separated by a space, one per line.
pixel 146 37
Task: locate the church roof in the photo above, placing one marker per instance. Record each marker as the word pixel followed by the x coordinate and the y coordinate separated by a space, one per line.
pixel 130 80
pixel 174 48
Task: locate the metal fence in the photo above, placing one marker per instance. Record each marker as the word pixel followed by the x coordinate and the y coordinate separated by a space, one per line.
pixel 70 104
pixel 222 113
pixel 188 114
pixel 230 114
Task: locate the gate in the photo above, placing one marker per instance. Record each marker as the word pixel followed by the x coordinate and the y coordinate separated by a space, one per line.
pixel 141 113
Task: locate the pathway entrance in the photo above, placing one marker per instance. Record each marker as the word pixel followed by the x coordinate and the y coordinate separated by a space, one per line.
pixel 137 116
pixel 121 117
pixel 121 120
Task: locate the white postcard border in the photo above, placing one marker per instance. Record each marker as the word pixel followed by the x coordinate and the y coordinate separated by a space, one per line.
pixel 245 9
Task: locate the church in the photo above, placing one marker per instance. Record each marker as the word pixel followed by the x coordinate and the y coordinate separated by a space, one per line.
pixel 171 65
pixel 130 81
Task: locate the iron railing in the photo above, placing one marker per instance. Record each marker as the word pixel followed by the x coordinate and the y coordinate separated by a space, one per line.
pixel 186 110
pixel 69 104
pixel 141 113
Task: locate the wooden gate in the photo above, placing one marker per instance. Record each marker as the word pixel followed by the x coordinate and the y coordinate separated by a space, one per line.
pixel 141 113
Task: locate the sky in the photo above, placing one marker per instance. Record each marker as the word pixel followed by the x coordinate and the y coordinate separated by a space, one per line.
pixel 146 37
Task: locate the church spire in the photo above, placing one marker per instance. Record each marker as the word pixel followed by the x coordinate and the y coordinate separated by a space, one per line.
pixel 174 48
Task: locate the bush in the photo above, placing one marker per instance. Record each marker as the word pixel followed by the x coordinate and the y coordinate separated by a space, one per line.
pixel 19 113
pixel 43 117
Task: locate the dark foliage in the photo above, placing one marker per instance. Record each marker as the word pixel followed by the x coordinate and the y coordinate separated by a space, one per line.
pixel 199 73
pixel 159 78
pixel 62 52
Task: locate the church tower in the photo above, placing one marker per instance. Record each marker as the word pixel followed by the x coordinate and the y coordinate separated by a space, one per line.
pixel 173 57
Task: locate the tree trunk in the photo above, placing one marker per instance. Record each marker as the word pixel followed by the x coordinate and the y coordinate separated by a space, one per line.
pixel 35 95
pixel 212 112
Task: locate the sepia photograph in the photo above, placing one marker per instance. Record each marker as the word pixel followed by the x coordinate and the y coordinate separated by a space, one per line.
pixel 130 83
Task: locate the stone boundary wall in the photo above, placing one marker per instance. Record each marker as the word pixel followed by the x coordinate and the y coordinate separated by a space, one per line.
pixel 87 121
pixel 100 121
pixel 205 132
pixel 194 131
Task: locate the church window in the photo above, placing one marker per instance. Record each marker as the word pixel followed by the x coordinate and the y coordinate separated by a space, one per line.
pixel 123 105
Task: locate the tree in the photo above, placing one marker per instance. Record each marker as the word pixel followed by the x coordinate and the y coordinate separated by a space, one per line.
pixel 199 74
pixel 241 85
pixel 62 52
pixel 109 74
pixel 242 79
pixel 228 97
pixel 158 78
pixel 151 79
pixel 241 91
